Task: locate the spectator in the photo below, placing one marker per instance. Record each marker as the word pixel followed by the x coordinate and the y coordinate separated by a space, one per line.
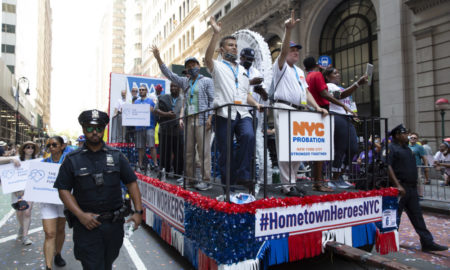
pixel 419 154
pixel 428 152
pixel 442 159
pixel 120 102
pixel 2 148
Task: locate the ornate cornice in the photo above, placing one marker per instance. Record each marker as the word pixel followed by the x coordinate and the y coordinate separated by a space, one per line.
pixel 418 6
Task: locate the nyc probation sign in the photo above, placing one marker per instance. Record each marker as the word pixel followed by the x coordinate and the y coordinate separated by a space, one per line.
pixel 305 136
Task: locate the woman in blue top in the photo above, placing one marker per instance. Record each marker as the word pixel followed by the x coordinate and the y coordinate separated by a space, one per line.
pixel 53 219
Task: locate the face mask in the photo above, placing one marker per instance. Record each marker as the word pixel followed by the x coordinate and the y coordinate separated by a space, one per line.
pixel 230 57
pixel 193 72
pixel 247 64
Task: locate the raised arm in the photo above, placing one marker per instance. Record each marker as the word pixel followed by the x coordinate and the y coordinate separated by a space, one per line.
pixel 349 90
pixel 181 81
pixel 289 25
pixel 212 44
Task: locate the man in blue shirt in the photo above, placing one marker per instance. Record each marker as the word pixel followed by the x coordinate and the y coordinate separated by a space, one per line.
pixel 419 155
pixel 145 136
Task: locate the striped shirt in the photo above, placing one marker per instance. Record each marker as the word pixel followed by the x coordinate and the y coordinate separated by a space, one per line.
pixel 205 88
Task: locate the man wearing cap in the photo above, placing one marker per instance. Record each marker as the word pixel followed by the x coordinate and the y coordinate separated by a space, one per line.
pixel 403 175
pixel 260 95
pixel 291 92
pixel 89 184
pixel 198 94
pixel 81 139
pixel 232 85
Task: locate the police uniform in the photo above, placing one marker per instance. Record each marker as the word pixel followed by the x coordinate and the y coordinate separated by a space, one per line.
pixel 403 163
pixel 94 179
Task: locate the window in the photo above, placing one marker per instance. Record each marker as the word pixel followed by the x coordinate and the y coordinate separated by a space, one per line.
pixel 11 68
pixel 218 15
pixel 350 38
pixel 192 34
pixel 188 9
pixel 227 7
pixel 8 48
pixel 188 41
pixel 8 8
pixel 8 28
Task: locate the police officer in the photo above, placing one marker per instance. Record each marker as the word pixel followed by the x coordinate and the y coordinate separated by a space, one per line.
pixel 403 175
pixel 89 185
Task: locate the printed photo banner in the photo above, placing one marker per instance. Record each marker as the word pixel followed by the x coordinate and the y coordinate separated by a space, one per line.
pixel 299 219
pixel 136 115
pixel 310 134
pixel 165 204
pixel 14 178
pixel 39 188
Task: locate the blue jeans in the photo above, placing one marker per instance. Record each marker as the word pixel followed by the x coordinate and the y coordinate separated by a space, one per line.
pixel 241 158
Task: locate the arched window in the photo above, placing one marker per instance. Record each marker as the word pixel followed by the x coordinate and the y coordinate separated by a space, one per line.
pixel 350 38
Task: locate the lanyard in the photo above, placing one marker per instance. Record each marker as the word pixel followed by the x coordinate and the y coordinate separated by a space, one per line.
pixel 248 73
pixel 303 95
pixel 192 86
pixel 174 101
pixel 234 73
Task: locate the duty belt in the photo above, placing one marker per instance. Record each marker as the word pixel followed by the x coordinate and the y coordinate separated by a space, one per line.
pixel 298 107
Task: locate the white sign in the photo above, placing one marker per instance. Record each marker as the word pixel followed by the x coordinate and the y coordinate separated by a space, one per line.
pixel 301 219
pixel 389 218
pixel 14 178
pixel 136 115
pixel 310 134
pixel 164 204
pixel 369 71
pixel 41 177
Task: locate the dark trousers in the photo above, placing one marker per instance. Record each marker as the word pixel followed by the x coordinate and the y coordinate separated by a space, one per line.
pixel 410 203
pixel 345 141
pixel 97 249
pixel 171 144
pixel 241 160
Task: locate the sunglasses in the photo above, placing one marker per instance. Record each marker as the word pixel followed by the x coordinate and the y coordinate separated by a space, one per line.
pixel 29 147
pixel 143 89
pixel 54 145
pixel 98 129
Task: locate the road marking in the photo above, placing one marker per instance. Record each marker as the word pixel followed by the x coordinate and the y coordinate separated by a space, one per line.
pixel 133 254
pixel 13 236
pixel 6 217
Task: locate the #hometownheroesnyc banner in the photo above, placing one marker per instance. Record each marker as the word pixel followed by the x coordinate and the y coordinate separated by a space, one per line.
pixel 301 219
pixel 39 188
pixel 311 136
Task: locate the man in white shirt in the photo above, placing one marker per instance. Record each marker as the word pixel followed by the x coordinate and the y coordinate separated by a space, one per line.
pixel 120 102
pixel 232 85
pixel 291 92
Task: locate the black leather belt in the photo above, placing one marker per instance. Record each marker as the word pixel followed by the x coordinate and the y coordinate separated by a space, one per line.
pixel 298 107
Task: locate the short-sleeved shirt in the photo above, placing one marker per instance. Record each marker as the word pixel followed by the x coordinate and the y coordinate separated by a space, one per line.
pixel 348 101
pixel 316 84
pixel 66 176
pixel 227 91
pixel 418 152
pixel 152 115
pixel 441 158
pixel 401 159
pixel 119 104
pixel 290 87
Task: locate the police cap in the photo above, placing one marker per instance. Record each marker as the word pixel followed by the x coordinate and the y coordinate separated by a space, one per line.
pixel 398 129
pixel 94 117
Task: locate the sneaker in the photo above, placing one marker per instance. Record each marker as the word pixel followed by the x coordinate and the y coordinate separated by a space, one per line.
pixel 26 241
pixel 180 180
pixel 292 192
pixel 331 185
pixel 257 188
pixel 59 261
pixel 203 186
pixel 20 234
pixel 341 183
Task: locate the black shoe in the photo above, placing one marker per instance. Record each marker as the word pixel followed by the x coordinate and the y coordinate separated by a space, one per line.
pixel 247 184
pixel 59 261
pixel 433 247
pixel 293 192
pixel 46 268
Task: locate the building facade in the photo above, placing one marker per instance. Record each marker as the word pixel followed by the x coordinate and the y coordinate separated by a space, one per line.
pixel 8 40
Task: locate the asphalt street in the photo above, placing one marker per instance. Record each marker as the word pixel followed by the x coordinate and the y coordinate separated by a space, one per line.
pixel 145 250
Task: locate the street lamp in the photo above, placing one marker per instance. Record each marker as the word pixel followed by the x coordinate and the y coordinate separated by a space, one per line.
pixel 442 104
pixel 20 80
